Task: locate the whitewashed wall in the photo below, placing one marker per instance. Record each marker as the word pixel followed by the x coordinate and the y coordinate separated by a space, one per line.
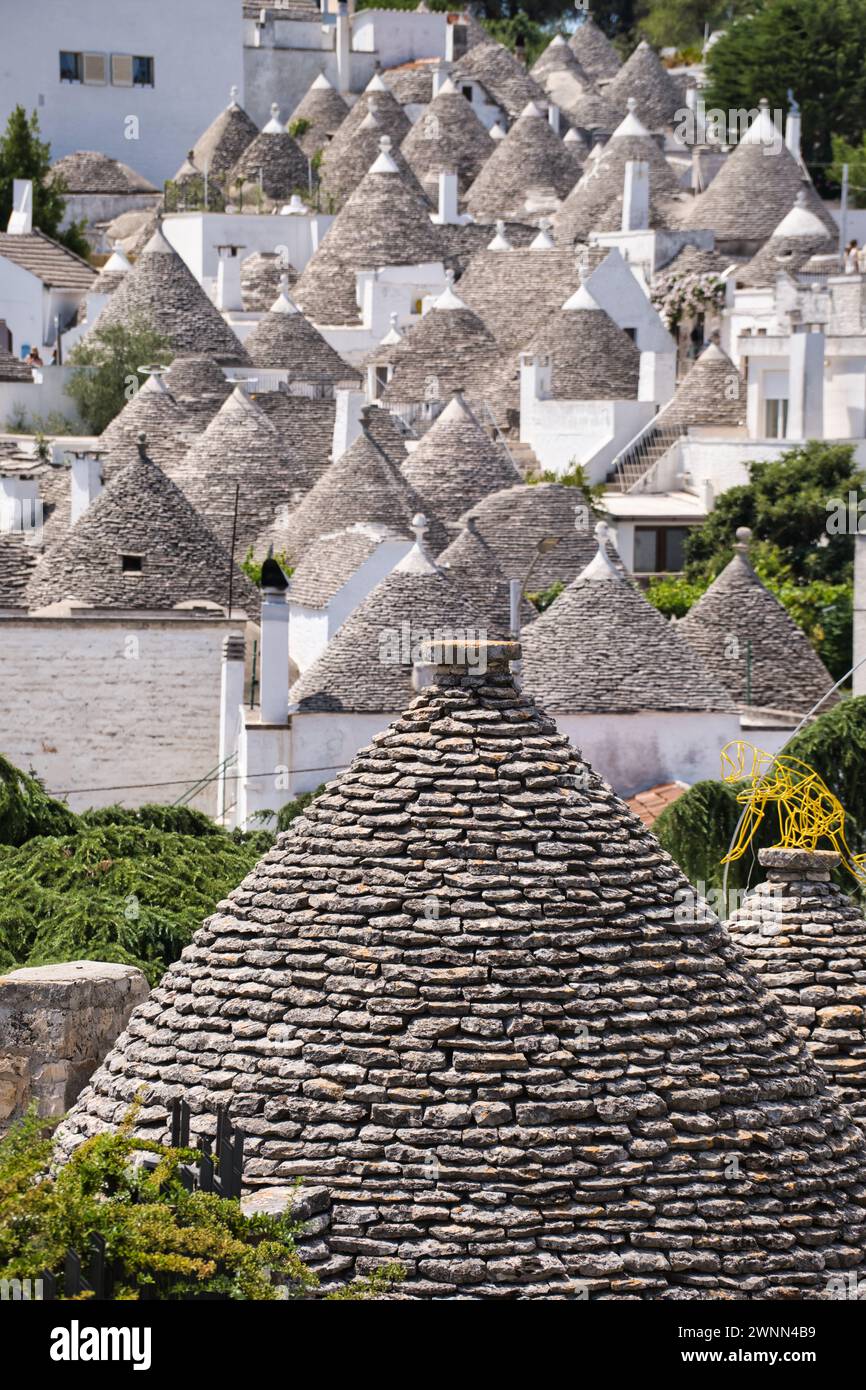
pixel 197 51
pixel 636 751
pixel 99 702
pixel 195 237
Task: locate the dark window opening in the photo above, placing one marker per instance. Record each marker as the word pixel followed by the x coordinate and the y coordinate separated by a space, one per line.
pixel 380 381
pixel 632 333
pixel 70 67
pixel 659 549
pixel 131 564
pixel 142 72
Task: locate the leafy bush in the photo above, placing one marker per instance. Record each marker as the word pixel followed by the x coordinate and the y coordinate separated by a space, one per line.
pixel 109 360
pixel 180 820
pixel 26 809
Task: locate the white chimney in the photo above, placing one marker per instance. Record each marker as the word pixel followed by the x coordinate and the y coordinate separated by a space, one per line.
pixel 635 196
pixel 553 117
pixel 447 199
pixel 231 701
pixel 275 645
pixel 440 77
pixel 85 476
pixel 806 385
pixel 792 133
pixel 21 219
pixel 343 44
pixel 229 295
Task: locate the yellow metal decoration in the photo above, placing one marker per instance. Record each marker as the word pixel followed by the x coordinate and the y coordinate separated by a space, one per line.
pixel 807 809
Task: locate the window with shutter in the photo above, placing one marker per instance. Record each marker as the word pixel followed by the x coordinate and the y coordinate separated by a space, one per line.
pixel 121 70
pixel 95 69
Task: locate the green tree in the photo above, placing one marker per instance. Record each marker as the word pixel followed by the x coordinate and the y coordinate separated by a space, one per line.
pixel 855 157
pixel 24 156
pixel 815 48
pixel 109 359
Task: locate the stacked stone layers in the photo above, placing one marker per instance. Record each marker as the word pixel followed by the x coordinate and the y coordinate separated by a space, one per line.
pixel 806 941
pixel 459 994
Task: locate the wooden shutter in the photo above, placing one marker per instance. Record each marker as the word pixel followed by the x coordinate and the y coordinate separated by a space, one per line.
pixel 95 69
pixel 121 70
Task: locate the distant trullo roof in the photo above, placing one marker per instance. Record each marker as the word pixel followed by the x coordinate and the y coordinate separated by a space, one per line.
pixel 17 560
pixel 170 428
pixel 713 392
pixel 383 223
pixel 800 235
pixel 457 463
pixel 594 50
pixel 261 274
pixel 516 289
pixel 198 384
pixel 224 141
pixel 514 521
pixel 140 515
pixel 448 349
pixel 285 339
pixel 91 171
pixel 601 647
pixel 324 110
pixel 602 181
pixel 644 77
pixel 447 138
pixel 162 292
pixel 345 163
pixel 805 938
pixel 755 188
pixel 745 637
pixel 378 101
pixel 272 162
pixel 561 75
pixel 596 1090
pixel 502 76
pixel 530 160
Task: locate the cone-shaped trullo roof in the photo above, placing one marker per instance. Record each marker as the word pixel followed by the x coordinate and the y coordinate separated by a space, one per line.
pixel 603 648
pixel 745 637
pixel 594 50
pixel 363 484
pixel 284 338
pixel 643 76
pixel 504 79
pixel 324 110
pixel 376 100
pixel 755 188
pixel 140 544
pixel 457 463
pixel 515 289
pixel 383 223
pixel 198 384
pixel 447 138
pixel 498 1001
pixel 111 274
pixel 602 181
pixel 449 349
pixel 154 411
pixel 412 83
pixel 261 275
pixel 242 446
pixel 272 162
pixel 17 560
pixel 91 171
pixel 799 235
pixel 591 357
pixel 806 941
pixel 331 561
pixel 560 74
pixel 162 292
pixel 367 666
pixel 713 392
pixel 517 521
pixel 531 164
pixel 347 161
pixel 224 141
pixel 593 111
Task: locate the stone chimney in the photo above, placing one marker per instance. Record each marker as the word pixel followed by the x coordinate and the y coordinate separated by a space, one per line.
pixel 806 385
pixel 85 478
pixel 274 687
pixel 635 196
pixel 448 214
pixel 229 295
pixel 553 117
pixel 231 701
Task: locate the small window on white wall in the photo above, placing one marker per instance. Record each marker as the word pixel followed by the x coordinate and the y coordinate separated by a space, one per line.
pixel 776 419
pixel 70 67
pixel 142 71
pixel 121 70
pixel 95 68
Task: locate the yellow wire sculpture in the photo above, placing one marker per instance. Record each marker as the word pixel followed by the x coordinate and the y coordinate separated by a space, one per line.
pixel 807 809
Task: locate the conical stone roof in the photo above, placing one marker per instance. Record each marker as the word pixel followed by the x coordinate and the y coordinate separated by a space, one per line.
pixel 806 940
pixel 220 147
pixel 644 77
pixel 592 358
pixel 531 163
pixel 244 448
pixel 713 392
pixel 376 100
pixel 140 513
pixel 324 110
pixel 602 647
pixel 745 637
pixel 501 75
pixel 602 181
pixel 383 223
pixel 447 138
pixel 272 162
pixel 261 275
pixel 516 289
pixel 593 111
pixel 457 463
pixel 345 163
pixel 198 384
pixel 162 292
pixel 800 235
pixel 285 339
pixel 594 50
pixel 477 1009
pixel 17 560
pixel 363 484
pixel 366 667
pixel 170 428
pixel 449 349
pixel 560 74
pixel 514 521
pixel 754 189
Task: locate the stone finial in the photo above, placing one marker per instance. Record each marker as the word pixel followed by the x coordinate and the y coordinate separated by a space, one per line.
pixel 385 144
pixel 631 105
pixel 468 654
pixel 275 111
pixel 500 242
pixel 744 537
pixel 600 566
pixel 233 96
pixel 141 441
pixel 420 526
